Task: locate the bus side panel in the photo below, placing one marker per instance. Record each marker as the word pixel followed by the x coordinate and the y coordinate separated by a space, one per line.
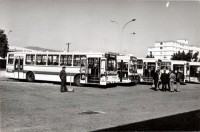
pixel 10 71
pixel 48 73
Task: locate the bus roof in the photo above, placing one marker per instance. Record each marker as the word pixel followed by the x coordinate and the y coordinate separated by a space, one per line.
pixel 148 59
pixel 40 52
pixel 194 63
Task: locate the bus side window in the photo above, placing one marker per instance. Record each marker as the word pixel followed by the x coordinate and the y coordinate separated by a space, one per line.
pixel 41 59
pixel 30 59
pixel 69 60
pixel 77 60
pixel 53 59
pixel 66 60
pixel 10 58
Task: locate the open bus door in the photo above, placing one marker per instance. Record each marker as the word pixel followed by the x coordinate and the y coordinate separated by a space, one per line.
pixel 122 70
pixel 83 70
pixel 103 71
pixel 149 69
pixel 18 67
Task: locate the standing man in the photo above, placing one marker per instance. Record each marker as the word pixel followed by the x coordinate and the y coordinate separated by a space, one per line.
pixel 168 82
pixel 63 76
pixel 172 78
pixel 164 80
pixel 178 81
pixel 156 79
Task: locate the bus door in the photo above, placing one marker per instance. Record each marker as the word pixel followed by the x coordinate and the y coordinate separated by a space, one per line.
pixel 180 68
pixel 149 70
pixel 18 67
pixel 122 70
pixel 103 71
pixel 94 70
pixel 83 70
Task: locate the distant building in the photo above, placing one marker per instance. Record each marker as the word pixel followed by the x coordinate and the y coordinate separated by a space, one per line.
pixel 19 49
pixel 165 49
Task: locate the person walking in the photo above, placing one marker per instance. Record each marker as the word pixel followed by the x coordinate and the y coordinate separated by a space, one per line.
pixel 159 78
pixel 172 78
pixel 168 81
pixel 156 79
pixel 164 80
pixel 178 81
pixel 63 76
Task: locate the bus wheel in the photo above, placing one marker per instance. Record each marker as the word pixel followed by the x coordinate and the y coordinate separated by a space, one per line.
pixel 77 81
pixel 30 77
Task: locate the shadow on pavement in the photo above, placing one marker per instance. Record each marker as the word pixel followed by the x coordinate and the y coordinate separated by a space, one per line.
pixel 189 121
pixel 126 84
pixel 153 88
pixel 68 84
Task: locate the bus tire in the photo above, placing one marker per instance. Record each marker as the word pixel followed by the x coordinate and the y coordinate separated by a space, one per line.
pixel 77 80
pixel 30 77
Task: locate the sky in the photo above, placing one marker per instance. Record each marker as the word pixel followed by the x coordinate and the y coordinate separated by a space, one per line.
pixel 86 24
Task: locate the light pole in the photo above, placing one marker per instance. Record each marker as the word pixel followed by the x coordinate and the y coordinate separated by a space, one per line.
pixel 122 29
pixel 68 46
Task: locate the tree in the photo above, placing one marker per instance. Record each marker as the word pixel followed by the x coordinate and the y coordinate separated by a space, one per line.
pixel 150 56
pixel 3 44
pixel 174 56
pixel 195 56
pixel 183 55
pixel 177 56
pixel 187 57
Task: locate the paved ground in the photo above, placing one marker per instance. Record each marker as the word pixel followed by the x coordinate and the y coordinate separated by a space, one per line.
pixel 36 107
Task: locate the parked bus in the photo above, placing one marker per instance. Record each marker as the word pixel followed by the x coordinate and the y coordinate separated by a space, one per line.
pixel 174 65
pixel 81 68
pixel 146 67
pixel 127 69
pixel 193 72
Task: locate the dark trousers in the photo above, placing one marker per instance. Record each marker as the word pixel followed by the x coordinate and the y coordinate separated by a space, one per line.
pixel 156 83
pixel 63 87
pixel 159 84
pixel 164 86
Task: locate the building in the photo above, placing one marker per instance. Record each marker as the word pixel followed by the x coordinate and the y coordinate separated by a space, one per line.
pixel 165 49
pixel 19 49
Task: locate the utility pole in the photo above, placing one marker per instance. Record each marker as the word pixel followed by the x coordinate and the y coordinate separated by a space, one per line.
pixel 68 46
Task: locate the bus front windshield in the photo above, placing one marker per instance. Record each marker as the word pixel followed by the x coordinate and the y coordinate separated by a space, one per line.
pixel 133 66
pixel 111 65
pixel 139 64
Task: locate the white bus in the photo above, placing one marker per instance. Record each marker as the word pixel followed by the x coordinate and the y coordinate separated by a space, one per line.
pixel 174 65
pixel 193 72
pixel 127 69
pixel 146 67
pixel 81 68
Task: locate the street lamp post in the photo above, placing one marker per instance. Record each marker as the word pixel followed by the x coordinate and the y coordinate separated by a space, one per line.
pixel 122 29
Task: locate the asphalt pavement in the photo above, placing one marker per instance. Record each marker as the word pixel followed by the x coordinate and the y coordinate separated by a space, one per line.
pixel 36 107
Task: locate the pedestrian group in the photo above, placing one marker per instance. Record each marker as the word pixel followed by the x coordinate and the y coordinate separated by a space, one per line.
pixel 167 80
